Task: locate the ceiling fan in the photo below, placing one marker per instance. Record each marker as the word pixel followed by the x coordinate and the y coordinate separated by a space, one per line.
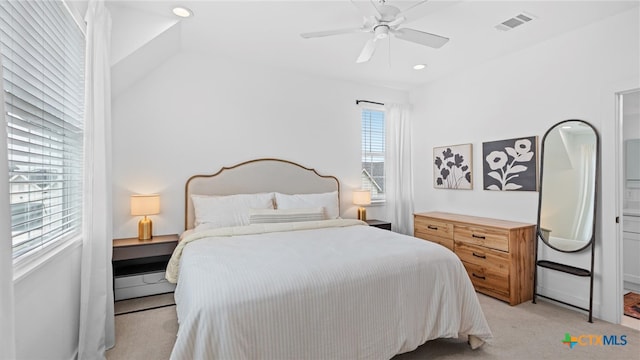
pixel 385 20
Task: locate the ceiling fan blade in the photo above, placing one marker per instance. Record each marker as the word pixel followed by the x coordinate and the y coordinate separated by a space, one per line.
pixel 393 24
pixel 421 37
pixel 411 15
pixel 387 12
pixel 366 8
pixel 367 51
pixel 404 11
pixel 331 32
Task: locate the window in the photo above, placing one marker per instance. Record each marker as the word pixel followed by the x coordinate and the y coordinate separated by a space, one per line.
pixel 373 152
pixel 43 81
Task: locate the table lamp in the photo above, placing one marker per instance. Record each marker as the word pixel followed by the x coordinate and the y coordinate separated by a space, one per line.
pixel 144 205
pixel 362 198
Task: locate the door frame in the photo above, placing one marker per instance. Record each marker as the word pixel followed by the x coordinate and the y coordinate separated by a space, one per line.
pixel 620 186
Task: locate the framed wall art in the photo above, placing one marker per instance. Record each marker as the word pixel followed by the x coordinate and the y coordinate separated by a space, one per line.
pixel 452 167
pixel 510 164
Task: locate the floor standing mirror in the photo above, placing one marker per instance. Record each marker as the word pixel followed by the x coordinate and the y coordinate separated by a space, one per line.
pixel 567 198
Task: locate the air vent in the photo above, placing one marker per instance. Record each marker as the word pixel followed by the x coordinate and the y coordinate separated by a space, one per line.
pixel 514 22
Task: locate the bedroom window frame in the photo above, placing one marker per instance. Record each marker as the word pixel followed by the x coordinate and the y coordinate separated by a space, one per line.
pixel 43 55
pixel 373 147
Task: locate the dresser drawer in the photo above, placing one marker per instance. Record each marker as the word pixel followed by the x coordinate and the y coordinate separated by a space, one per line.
pixel 498 261
pixel 497 254
pixel 448 243
pixel 483 236
pixel 488 280
pixel 433 227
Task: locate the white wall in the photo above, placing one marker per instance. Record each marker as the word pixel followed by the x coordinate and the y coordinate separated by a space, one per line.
pixel 194 114
pixel 47 308
pixel 523 94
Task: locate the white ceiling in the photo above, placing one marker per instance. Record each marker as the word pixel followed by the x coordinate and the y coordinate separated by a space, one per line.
pixel 266 33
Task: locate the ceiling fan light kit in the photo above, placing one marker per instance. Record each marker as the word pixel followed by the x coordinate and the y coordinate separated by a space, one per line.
pixel 385 22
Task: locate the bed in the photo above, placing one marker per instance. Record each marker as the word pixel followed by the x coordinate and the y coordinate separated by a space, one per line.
pixel 289 279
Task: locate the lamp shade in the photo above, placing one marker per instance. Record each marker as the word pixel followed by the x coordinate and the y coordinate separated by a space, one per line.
pixel 143 205
pixel 362 197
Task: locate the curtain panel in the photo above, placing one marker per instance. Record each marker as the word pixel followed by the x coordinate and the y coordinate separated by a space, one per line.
pixel 97 329
pixel 398 168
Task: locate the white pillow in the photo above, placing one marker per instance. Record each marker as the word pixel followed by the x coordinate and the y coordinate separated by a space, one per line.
pixel 230 210
pixel 329 201
pixel 265 216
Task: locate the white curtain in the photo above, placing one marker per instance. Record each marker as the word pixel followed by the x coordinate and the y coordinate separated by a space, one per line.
pixel 398 168
pixel 97 331
pixel 7 328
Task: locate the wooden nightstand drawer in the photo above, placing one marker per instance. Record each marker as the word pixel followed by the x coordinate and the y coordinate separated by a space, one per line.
pixel 496 260
pixel 483 236
pixel 433 227
pixel 143 250
pixel 132 248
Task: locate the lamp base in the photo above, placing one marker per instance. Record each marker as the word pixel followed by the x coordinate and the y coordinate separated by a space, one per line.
pixel 362 214
pixel 144 229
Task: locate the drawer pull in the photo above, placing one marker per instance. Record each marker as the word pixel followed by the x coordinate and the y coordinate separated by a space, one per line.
pixel 432 227
pixel 478 236
pixel 478 276
pixel 480 256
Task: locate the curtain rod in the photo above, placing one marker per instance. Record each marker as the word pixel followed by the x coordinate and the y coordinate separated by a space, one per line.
pixel 370 102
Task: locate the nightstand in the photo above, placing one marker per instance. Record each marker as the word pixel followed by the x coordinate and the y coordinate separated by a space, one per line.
pixel 379 224
pixel 139 266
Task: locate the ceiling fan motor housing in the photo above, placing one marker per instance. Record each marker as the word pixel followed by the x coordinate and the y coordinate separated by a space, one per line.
pixel 381 31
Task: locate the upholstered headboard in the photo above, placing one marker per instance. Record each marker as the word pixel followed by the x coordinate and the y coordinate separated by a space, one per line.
pixel 256 176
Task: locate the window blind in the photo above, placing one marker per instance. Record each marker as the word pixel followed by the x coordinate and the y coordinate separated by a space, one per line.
pixel 42 52
pixel 373 152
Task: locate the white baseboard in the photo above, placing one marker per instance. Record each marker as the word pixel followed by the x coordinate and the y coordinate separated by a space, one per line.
pixel 632 278
pixel 633 286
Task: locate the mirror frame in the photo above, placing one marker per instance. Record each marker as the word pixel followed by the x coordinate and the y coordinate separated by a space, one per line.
pixel 595 187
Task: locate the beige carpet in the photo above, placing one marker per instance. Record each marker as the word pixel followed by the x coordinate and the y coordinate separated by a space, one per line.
pixel 526 331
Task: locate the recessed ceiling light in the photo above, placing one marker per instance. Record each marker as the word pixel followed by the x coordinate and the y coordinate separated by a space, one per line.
pixel 182 12
pixel 419 66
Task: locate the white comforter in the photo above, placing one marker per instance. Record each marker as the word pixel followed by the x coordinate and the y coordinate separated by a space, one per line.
pixel 339 292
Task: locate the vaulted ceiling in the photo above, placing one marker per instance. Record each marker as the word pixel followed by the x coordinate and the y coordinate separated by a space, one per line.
pixel 267 34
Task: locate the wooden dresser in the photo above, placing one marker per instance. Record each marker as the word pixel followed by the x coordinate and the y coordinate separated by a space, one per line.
pixel 497 254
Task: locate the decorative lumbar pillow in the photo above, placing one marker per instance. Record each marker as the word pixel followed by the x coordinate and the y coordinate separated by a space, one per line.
pixel 230 210
pixel 328 201
pixel 265 216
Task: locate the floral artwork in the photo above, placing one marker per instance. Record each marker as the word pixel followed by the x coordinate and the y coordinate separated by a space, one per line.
pixel 510 164
pixel 452 167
